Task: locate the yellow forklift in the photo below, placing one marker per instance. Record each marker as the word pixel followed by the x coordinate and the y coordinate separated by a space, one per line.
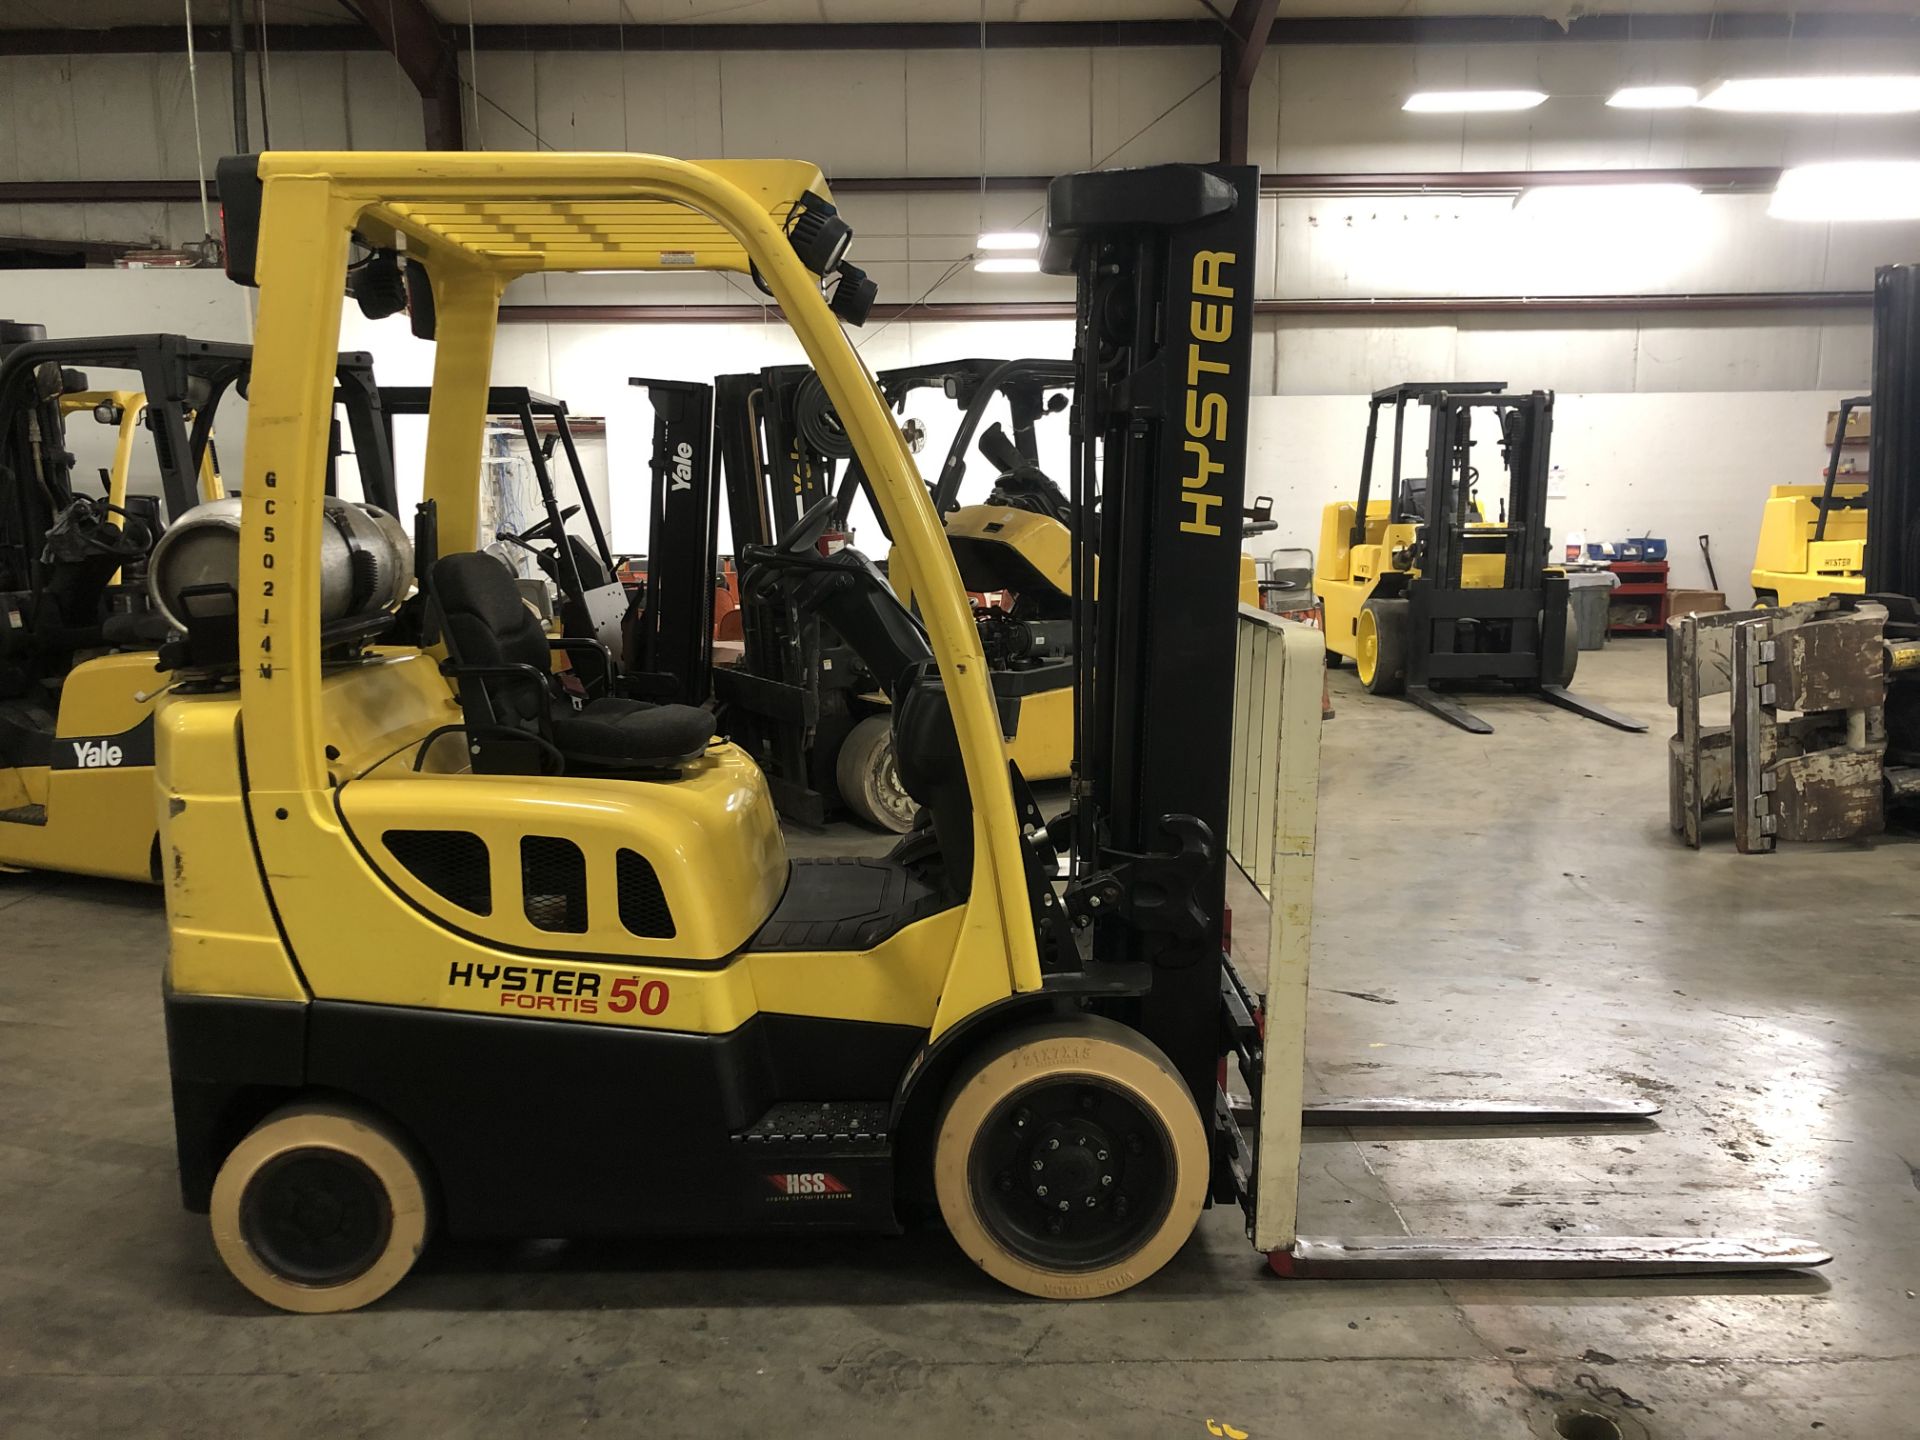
pixel 77 630
pixel 448 949
pixel 1813 538
pixel 1423 588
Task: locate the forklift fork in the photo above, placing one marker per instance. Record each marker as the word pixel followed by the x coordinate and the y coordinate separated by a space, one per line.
pixel 1433 702
pixel 1580 705
pixel 1270 835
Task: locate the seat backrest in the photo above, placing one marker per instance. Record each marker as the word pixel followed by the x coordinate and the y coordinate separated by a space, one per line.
pixel 485 622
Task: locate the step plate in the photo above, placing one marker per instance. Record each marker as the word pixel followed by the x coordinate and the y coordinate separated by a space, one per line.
pixel 821 1122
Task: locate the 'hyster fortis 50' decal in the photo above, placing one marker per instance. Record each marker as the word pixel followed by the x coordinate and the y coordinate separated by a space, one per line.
pixel 566 992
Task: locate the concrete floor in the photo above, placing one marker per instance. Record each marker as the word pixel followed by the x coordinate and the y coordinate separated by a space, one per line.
pixel 1496 916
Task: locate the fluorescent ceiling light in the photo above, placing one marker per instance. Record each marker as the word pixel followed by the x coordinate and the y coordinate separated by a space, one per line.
pixel 1818 95
pixel 1653 97
pixel 1849 190
pixel 1010 240
pixel 1460 102
pixel 1585 201
pixel 1008 265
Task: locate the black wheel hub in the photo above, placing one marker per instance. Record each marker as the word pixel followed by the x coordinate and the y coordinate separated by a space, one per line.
pixel 317 1216
pixel 1071 1174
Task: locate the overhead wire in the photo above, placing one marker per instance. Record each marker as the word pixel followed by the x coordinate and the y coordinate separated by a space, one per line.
pixel 263 69
pixel 199 149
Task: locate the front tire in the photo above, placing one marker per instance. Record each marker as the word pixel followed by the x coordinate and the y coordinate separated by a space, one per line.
pixel 1070 1161
pixel 320 1209
pixel 868 777
pixel 1381 658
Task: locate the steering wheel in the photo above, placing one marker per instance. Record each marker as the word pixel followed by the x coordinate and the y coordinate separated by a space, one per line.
pixel 796 548
pixel 543 533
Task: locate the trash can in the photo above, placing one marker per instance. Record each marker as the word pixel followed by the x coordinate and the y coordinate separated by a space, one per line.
pixel 1588 594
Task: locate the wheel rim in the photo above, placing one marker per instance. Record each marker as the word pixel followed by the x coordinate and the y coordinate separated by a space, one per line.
pixel 1071 1174
pixel 317 1216
pixel 1367 660
pixel 889 794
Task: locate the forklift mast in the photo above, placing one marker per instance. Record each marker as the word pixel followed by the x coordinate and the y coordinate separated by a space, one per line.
pixel 1164 260
pixel 676 625
pixel 1893 468
pixel 185 381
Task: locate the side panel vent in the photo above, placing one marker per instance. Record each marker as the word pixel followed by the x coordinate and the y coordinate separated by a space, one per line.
pixel 553 884
pixel 643 906
pixel 451 863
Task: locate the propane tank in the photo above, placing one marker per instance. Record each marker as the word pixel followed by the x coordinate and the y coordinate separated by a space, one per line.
pixel 366 560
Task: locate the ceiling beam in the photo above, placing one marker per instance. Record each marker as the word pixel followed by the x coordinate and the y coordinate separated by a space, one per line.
pixel 1727 179
pixel 426 51
pixel 1009 35
pixel 1249 30
pixel 1756 302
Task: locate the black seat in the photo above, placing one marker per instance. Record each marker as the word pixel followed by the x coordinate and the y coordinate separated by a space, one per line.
pixel 519 717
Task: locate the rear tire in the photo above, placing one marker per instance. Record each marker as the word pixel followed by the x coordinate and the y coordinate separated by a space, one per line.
pixel 320 1209
pixel 1381 657
pixel 1070 1162
pixel 1766 599
pixel 869 777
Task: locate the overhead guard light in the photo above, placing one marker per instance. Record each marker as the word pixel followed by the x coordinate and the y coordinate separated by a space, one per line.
pixel 1010 240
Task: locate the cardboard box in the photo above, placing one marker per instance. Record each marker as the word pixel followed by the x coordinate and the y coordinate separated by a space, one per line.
pixel 1859 426
pixel 1695 602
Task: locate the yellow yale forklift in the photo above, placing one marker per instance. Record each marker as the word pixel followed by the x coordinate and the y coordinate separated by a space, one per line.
pixel 452 952
pixel 77 629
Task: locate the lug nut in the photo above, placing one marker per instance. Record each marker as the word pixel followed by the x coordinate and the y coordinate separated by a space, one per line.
pixel 1091 1202
pixel 1100 1155
pixel 1106 1180
pixel 1020 1118
pixel 1053 1144
pixel 1063 1204
pixel 1039 1164
pixel 1039 1189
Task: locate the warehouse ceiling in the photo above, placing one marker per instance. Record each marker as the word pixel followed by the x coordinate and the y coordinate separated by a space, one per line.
pixel 55 14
